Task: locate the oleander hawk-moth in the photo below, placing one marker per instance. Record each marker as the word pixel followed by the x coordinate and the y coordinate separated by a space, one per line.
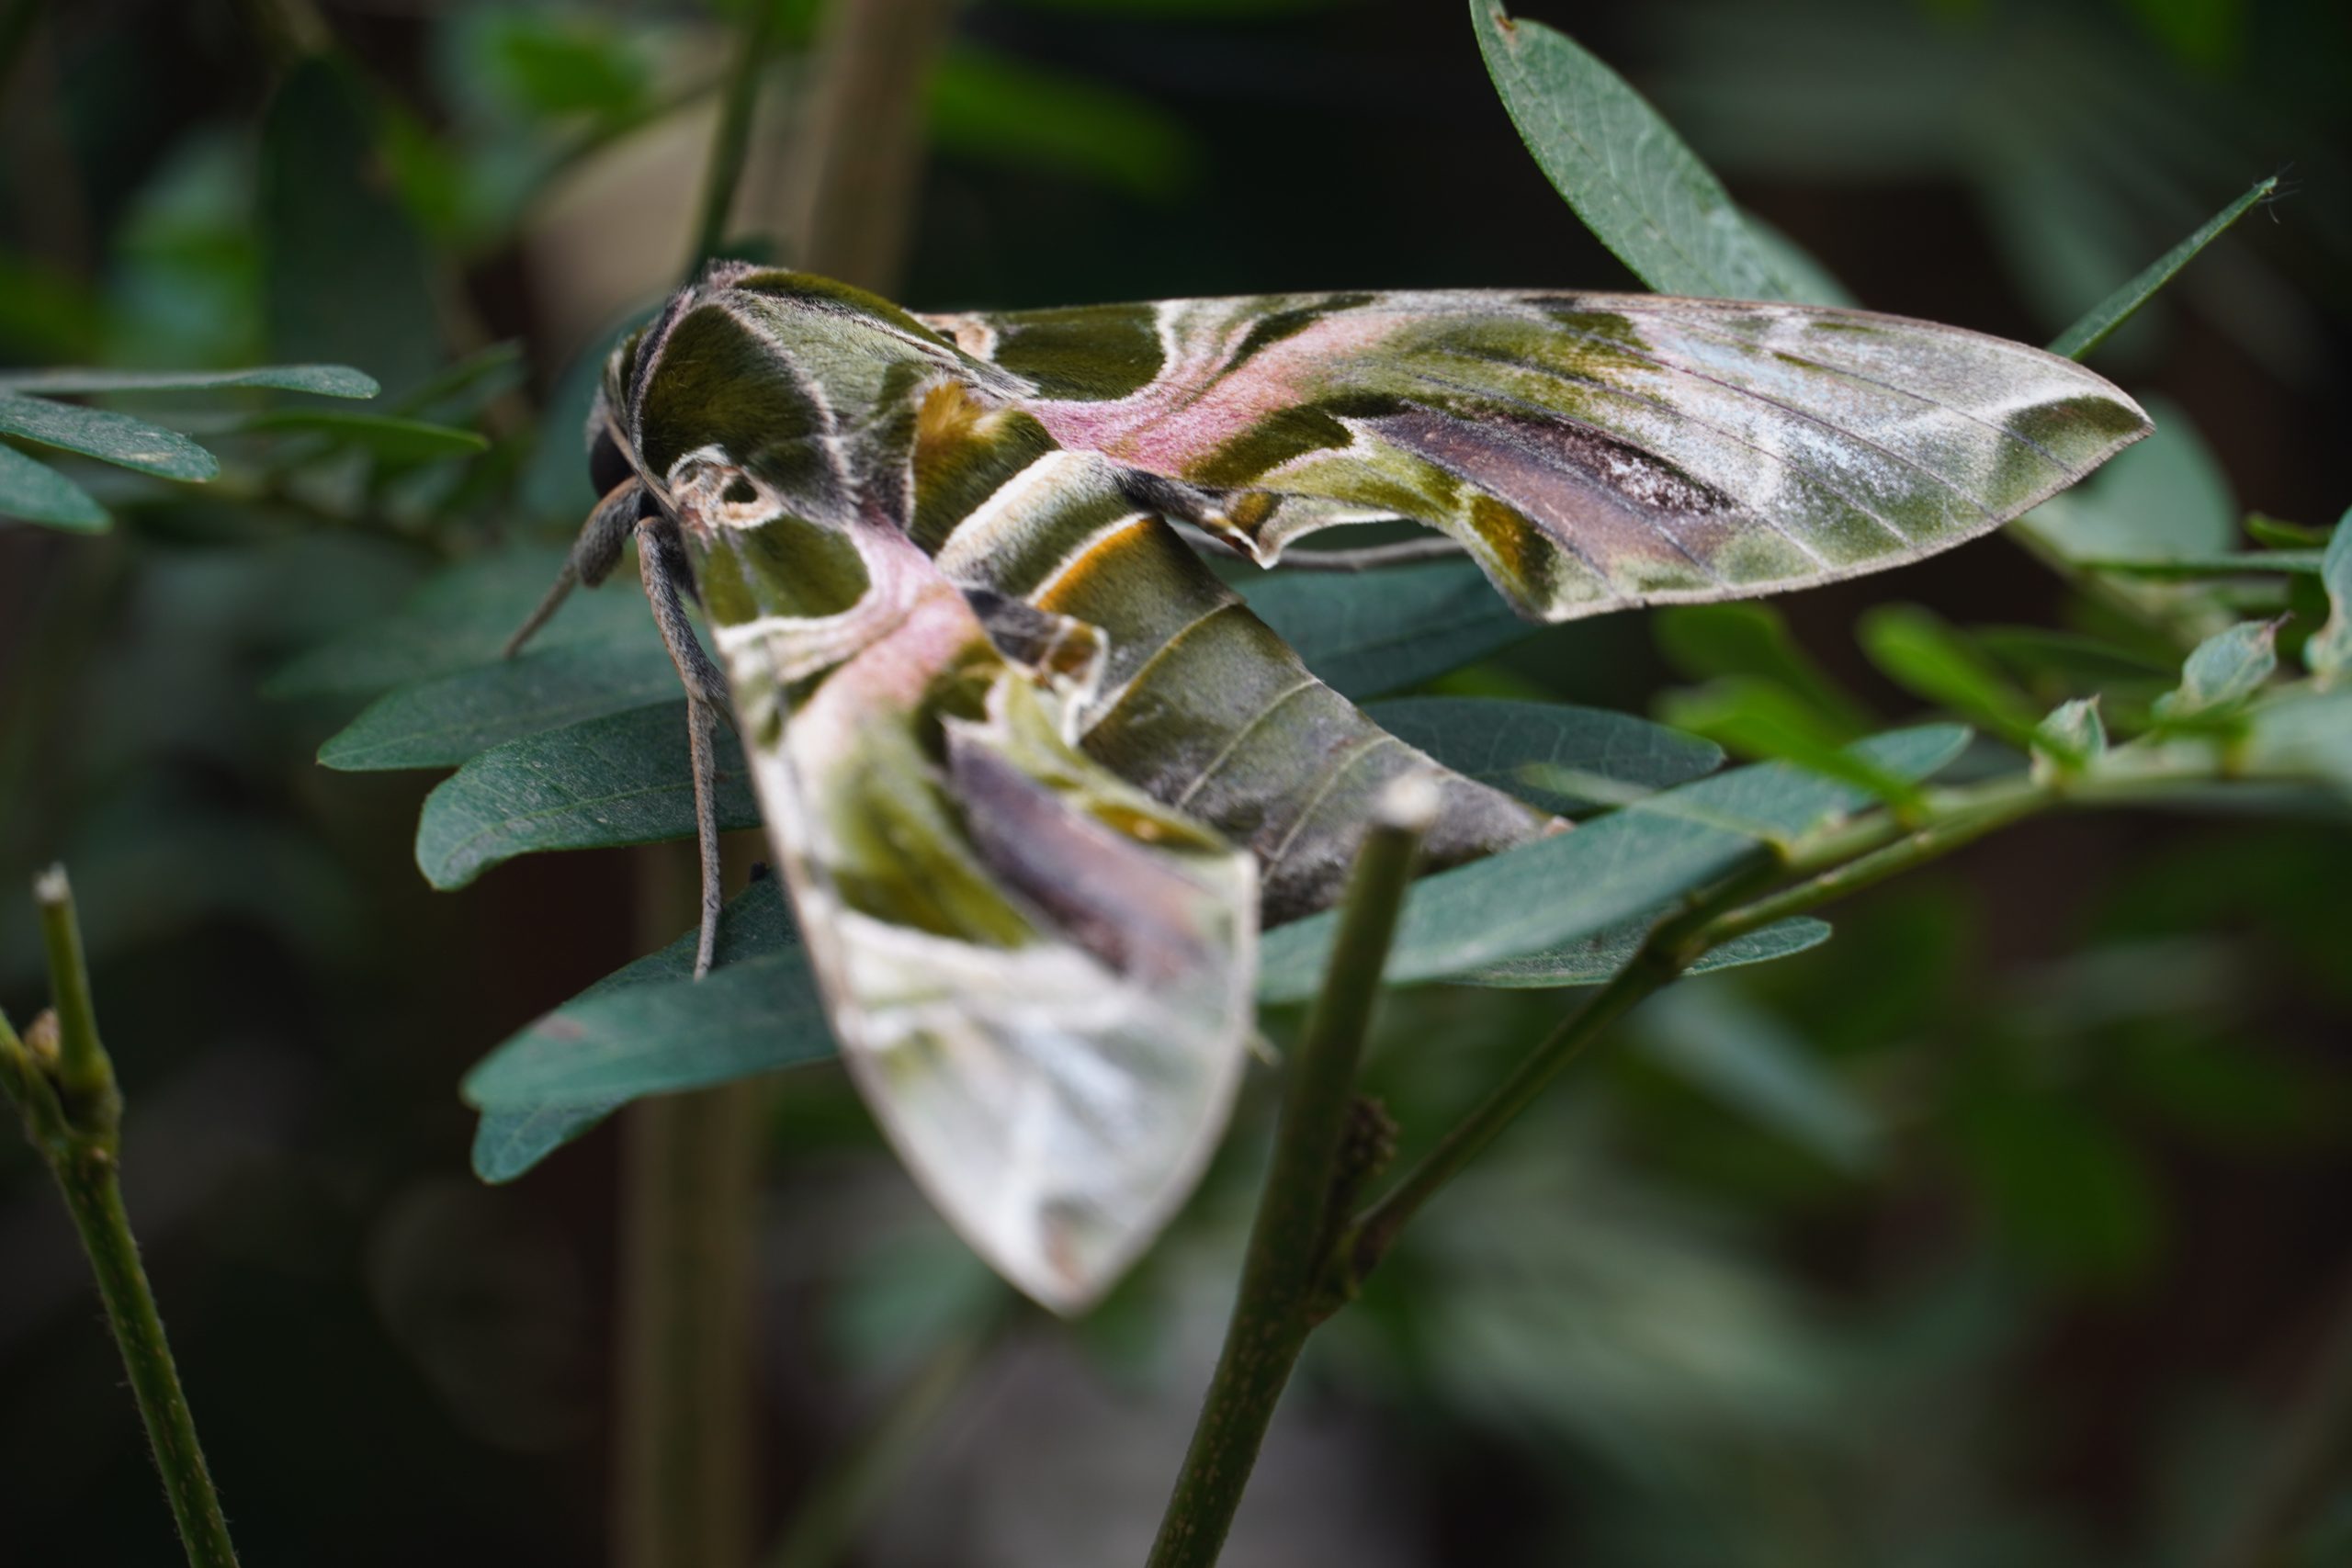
pixel 1035 777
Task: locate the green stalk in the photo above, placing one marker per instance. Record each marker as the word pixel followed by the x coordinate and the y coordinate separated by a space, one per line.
pixel 1855 857
pixel 1274 1309
pixel 63 1083
pixel 682 1493
pixel 732 140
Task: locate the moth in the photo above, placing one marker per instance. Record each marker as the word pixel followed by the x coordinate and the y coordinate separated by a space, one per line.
pixel 1036 778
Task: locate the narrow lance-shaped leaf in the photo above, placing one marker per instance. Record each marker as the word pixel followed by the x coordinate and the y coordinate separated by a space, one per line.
pixel 38 493
pixel 1604 872
pixel 108 437
pixel 1386 630
pixel 622 779
pixel 1590 960
pixel 2329 651
pixel 1632 180
pixel 1758 718
pixel 460 620
pixel 2117 307
pixel 1704 641
pixel 387 436
pixel 442 722
pixel 1532 749
pixel 325 380
pixel 1921 652
pixel 2228 563
pixel 649 1029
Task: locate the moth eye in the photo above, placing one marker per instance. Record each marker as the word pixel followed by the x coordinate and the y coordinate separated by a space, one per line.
pixel 606 467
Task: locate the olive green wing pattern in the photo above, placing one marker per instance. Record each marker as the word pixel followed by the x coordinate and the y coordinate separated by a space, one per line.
pixel 1040 977
pixel 1590 451
pixel 1196 701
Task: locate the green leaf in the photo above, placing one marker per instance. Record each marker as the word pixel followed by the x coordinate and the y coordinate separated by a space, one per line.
pixel 1757 718
pixel 2229 563
pixel 2073 734
pixel 1756 1064
pixel 2329 650
pixel 626 778
pixel 1704 641
pixel 1926 656
pixel 459 619
pixel 1642 192
pixel 651 1028
pixel 38 493
pixel 987 107
pixel 2117 307
pixel 507 1144
pixel 347 279
pixel 1539 750
pixel 2277 533
pixel 1588 961
pixel 386 437
pixel 441 723
pixel 2035 652
pixel 2226 668
pixel 108 437
pixel 1605 872
pixel 325 380
pixel 1371 632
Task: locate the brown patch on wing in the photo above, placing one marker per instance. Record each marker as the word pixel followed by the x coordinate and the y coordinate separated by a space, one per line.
pixel 1609 502
pixel 1127 907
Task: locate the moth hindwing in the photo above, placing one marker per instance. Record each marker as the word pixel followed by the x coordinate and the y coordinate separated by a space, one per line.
pixel 1035 778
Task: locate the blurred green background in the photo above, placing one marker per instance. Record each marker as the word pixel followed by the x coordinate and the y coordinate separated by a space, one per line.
pixel 2008 1228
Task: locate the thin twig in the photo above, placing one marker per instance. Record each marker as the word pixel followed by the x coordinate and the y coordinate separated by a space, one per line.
pixel 1730 911
pixel 1272 1312
pixel 63 1086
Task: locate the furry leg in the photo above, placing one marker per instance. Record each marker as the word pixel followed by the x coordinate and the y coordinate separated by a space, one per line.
pixel 706 699
pixel 593 555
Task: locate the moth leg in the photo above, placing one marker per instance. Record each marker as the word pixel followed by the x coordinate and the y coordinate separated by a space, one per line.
pixel 593 555
pixel 660 563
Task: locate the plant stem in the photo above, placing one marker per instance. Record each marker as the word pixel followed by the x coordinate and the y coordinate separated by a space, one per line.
pixel 1271 1313
pixel 63 1085
pixel 1981 815
pixel 689 1207
pixel 858 159
pixel 1852 863
pixel 1368 1240
pixel 732 140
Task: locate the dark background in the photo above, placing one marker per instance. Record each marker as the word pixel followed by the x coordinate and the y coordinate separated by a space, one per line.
pixel 2052 1315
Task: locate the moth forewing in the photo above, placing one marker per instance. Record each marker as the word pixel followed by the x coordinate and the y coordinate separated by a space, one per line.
pixel 1032 773
pixel 1592 451
pixel 1040 977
